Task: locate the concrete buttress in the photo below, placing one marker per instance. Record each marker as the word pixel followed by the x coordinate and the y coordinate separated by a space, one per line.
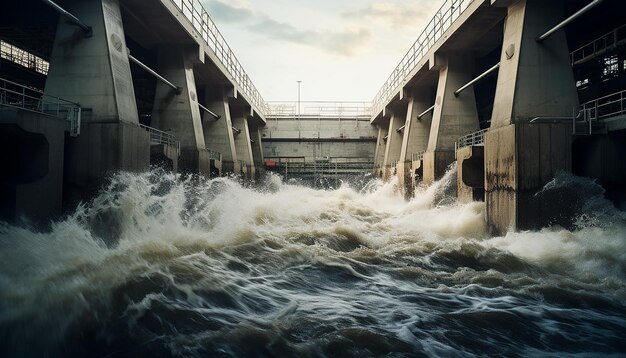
pixel 218 133
pixel 179 113
pixel 453 116
pixel 530 137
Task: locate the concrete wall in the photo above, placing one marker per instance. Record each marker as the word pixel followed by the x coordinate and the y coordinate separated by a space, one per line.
pixel 453 116
pixel 32 157
pixel 178 113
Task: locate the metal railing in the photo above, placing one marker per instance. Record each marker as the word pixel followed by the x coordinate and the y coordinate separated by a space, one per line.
pixel 443 19
pixel 599 46
pixel 472 139
pixel 198 17
pixel 319 109
pixel 214 155
pixel 160 137
pixel 417 156
pixel 23 58
pixel 30 99
pixel 606 107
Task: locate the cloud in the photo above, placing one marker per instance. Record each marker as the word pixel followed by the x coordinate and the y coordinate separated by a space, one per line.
pixel 345 42
pixel 231 11
pixel 397 15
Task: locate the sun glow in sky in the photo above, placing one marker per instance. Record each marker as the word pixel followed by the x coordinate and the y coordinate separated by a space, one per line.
pixel 340 50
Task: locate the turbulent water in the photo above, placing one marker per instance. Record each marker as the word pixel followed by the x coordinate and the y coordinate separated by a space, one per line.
pixel 162 266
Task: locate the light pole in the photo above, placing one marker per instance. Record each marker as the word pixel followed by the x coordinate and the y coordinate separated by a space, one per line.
pixel 298 112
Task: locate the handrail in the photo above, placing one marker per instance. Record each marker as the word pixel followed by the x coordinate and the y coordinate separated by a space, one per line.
pixel 161 137
pixel 30 99
pixel 417 156
pixel 200 20
pixel 607 106
pixel 472 139
pixel 438 25
pixel 214 155
pixel 319 109
pixel 599 45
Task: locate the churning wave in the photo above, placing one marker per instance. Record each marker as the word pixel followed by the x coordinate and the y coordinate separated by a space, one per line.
pixel 158 265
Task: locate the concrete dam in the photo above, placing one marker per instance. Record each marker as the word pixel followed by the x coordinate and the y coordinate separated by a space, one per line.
pixel 154 203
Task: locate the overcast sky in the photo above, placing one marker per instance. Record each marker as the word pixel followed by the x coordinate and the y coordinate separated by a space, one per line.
pixel 341 50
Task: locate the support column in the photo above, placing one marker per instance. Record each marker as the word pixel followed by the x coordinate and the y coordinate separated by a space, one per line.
pixel 257 146
pixel 523 152
pixel 218 134
pixel 243 145
pixel 379 153
pixel 453 116
pixel 394 140
pixel 179 114
pixel 94 71
pixel 415 137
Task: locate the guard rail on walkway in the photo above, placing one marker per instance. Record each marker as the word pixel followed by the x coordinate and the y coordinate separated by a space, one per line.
pixel 472 139
pixel 443 19
pixel 417 156
pixel 30 99
pixel 328 109
pixel 198 17
pixel 214 155
pixel 160 137
pixel 599 46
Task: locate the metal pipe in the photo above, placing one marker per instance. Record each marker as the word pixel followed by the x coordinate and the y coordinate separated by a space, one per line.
pixel 178 90
pixel 426 112
pixel 568 20
pixel 236 130
pixel 62 11
pixel 216 116
pixel 400 129
pixel 483 75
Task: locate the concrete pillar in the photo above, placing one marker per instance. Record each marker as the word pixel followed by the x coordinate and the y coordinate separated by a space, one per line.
pixel 453 116
pixel 381 145
pixel 218 134
pixel 394 140
pixel 415 137
pixel 471 173
pixel 94 72
pixel 523 153
pixel 257 145
pixel 178 113
pixel 243 145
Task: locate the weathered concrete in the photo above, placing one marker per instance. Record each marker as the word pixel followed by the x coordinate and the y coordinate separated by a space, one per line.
pixel 471 174
pixel 31 153
pixel 164 156
pixel 453 116
pixel 257 145
pixel 243 144
pixel 381 146
pixel 218 134
pixel 393 145
pixel 415 137
pixel 179 114
pixel 535 80
pixel 519 160
pixel 93 71
pixel 101 150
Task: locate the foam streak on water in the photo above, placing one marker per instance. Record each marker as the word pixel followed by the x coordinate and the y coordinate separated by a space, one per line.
pixel 161 266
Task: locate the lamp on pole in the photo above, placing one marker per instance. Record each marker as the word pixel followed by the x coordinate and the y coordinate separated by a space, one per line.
pixel 298 112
